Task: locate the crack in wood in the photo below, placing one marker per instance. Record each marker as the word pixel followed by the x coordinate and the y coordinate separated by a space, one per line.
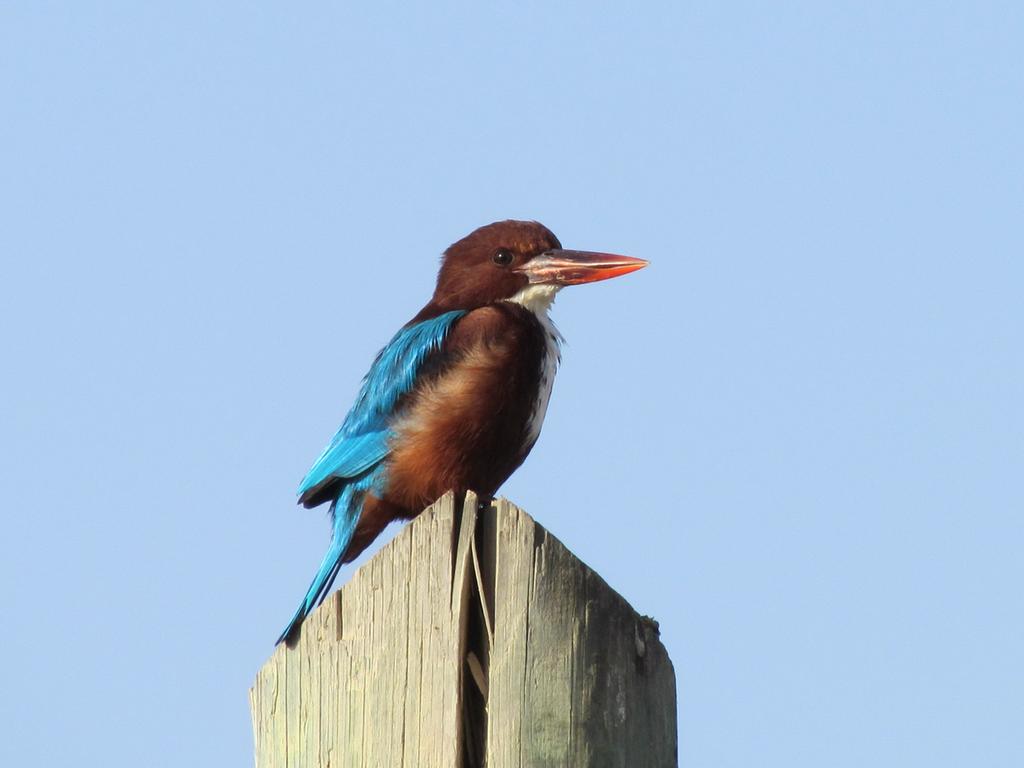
pixel 478 638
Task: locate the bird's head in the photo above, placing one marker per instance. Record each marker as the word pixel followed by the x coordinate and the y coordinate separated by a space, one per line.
pixel 519 261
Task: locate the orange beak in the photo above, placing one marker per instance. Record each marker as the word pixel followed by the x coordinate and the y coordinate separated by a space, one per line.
pixel 560 267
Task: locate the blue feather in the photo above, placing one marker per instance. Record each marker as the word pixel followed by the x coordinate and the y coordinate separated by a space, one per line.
pixel 358 449
pixel 362 440
pixel 348 457
pixel 345 514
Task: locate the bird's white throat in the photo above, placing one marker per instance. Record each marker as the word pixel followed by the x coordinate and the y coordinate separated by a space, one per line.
pixel 537 298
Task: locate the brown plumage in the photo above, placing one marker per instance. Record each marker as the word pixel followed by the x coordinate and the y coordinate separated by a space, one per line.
pixel 463 428
pixel 469 277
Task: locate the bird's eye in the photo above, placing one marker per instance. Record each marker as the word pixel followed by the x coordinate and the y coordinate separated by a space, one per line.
pixel 502 257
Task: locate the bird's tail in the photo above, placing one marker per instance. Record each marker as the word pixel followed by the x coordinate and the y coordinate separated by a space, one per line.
pixel 345 511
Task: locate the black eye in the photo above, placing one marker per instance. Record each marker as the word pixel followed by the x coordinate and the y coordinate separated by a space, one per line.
pixel 502 257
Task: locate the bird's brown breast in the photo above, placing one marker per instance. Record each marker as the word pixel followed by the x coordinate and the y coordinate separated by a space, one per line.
pixel 466 426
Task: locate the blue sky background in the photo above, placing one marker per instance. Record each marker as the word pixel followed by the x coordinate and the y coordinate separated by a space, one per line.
pixel 797 439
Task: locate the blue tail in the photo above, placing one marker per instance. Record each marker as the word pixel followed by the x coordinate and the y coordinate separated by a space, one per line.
pixel 345 510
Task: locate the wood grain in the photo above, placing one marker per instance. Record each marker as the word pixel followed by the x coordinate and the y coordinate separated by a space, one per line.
pixel 473 638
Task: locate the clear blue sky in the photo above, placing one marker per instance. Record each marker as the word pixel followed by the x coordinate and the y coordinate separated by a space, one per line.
pixel 797 439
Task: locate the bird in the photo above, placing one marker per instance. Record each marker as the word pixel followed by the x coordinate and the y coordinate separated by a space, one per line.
pixel 456 400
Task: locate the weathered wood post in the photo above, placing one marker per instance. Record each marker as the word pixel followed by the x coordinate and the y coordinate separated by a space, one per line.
pixel 474 638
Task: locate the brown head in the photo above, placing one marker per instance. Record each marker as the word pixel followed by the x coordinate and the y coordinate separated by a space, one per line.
pixel 499 261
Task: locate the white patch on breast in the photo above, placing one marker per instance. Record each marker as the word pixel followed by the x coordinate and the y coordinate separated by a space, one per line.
pixel 538 299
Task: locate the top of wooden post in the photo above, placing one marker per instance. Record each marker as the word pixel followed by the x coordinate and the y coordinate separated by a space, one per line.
pixel 473 638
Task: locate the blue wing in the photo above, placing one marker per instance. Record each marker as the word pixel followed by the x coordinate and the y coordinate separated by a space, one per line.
pixel 361 442
pixel 351 464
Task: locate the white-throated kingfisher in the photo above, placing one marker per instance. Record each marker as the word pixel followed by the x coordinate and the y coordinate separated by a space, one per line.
pixel 456 399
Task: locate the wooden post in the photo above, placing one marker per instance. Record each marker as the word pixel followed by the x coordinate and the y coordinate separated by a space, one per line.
pixel 474 638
